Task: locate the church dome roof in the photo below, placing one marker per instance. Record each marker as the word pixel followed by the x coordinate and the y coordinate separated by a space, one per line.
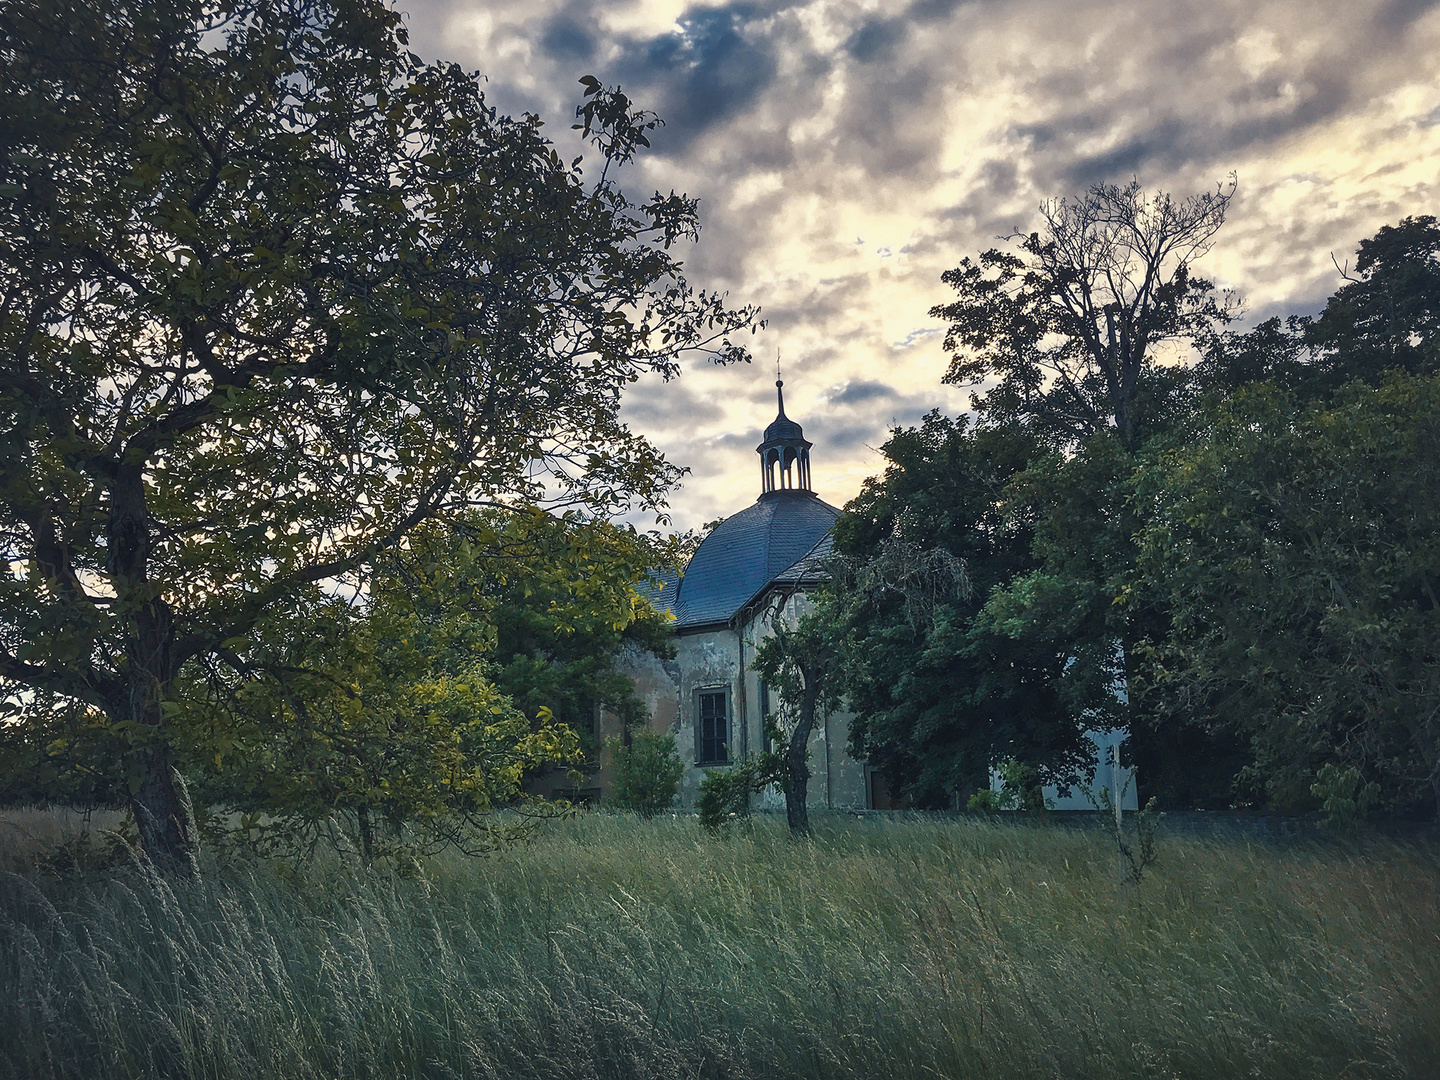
pixel 783 428
pixel 749 551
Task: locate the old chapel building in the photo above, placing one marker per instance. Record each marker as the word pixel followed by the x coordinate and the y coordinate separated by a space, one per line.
pixel 710 694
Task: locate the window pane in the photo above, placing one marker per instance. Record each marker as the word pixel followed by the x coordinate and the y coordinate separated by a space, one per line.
pixel 713 727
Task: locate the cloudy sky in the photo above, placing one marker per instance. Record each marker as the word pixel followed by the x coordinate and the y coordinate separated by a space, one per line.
pixel 847 152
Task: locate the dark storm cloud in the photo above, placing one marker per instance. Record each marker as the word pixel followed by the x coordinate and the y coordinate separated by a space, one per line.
pixel 1263 116
pixel 704 74
pixel 891 129
pixel 847 438
pixel 825 301
pixel 651 403
pixel 861 415
pixel 927 11
pixel 861 393
pixel 1396 16
pixel 877 39
pixel 745 440
pixel 1142 152
pixel 567 38
pixel 1326 97
pixel 999 177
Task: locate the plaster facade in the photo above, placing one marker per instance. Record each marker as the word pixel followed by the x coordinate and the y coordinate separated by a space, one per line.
pixel 722 658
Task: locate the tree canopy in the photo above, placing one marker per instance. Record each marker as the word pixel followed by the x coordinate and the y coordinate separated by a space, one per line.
pixel 1384 317
pixel 945 688
pixel 274 292
pixel 483 650
pixel 1295 553
pixel 1069 328
pixel 1241 537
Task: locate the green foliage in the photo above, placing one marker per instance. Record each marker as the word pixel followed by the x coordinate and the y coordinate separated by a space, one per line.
pixel 1346 798
pixel 1033 500
pixel 1021 789
pixel 725 793
pixel 277 292
pixel 380 732
pixel 799 660
pixel 1066 333
pixel 1081 547
pixel 1385 317
pixel 647 772
pixel 1068 326
pixel 887 947
pixel 941 694
pixel 414 715
pixel 561 596
pixel 396 725
pixel 1067 330
pixel 1294 550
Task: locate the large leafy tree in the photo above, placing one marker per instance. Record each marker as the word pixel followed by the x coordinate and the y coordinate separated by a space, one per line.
pixel 1295 552
pixel 1083 556
pixel 1081 336
pixel 1384 317
pixel 942 684
pixel 1193 745
pixel 273 292
pixel 379 730
pixel 562 597
pixel 1068 328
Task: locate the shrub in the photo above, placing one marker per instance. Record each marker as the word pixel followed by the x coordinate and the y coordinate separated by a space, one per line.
pixel 647 772
pixel 725 793
pixel 1020 789
pixel 1345 796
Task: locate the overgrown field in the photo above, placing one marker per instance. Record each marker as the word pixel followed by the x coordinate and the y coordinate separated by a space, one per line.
pixel 616 948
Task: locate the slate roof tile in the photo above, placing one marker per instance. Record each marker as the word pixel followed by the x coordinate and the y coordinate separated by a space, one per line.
pixel 748 551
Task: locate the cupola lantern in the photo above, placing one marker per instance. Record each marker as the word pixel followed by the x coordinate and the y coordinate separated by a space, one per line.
pixel 784 455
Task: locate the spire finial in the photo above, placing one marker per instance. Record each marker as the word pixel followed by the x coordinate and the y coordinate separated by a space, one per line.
pixel 780 393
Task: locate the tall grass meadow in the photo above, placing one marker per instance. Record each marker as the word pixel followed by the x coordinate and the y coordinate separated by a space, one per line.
pixel 617 947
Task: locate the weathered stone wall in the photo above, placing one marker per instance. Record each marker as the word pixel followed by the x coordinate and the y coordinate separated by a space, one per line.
pixel 706 660
pixel 721 658
pixel 656 685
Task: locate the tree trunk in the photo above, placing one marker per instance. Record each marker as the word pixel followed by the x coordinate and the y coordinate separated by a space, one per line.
pixel 797 772
pixel 797 813
pixel 164 817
